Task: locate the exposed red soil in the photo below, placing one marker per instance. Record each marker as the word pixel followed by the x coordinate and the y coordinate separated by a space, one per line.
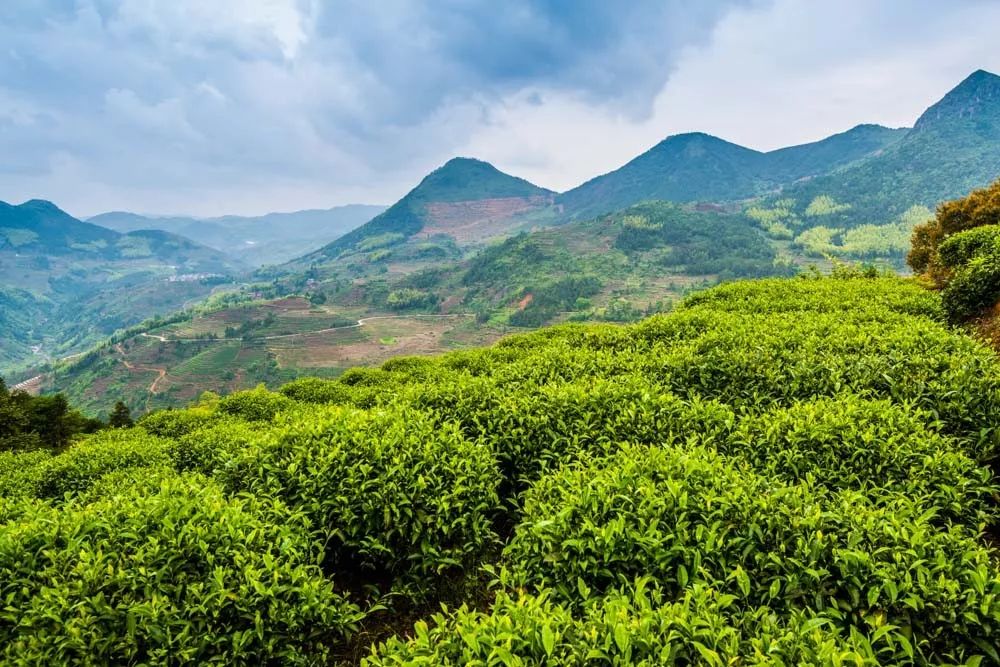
pixel 471 221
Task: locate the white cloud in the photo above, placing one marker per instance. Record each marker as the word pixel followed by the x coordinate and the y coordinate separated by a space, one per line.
pixel 252 105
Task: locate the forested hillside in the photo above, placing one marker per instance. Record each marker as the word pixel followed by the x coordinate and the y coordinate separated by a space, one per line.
pixel 66 284
pixel 784 471
pixel 618 268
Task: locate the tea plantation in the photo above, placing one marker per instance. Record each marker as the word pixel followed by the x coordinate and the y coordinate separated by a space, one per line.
pixel 782 472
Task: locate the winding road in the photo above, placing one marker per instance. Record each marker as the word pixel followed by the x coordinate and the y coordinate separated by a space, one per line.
pixel 360 323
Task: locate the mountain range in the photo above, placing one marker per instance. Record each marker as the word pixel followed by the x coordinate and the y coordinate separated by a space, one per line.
pixel 855 195
pixel 273 238
pixel 65 283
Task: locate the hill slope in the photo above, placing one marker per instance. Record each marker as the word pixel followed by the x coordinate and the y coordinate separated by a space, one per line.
pixel 953 148
pixel 700 167
pixel 464 202
pixel 267 239
pixel 65 283
pixel 615 268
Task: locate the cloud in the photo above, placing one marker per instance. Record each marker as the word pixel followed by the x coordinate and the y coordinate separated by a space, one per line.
pixel 252 105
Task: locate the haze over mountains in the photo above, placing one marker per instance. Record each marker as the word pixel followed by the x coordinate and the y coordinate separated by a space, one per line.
pixel 257 240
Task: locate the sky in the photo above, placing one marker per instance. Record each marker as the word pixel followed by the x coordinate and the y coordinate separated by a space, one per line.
pixel 247 106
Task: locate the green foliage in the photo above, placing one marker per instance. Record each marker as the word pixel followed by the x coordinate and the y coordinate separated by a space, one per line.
pixel 781 472
pixel 959 249
pixel 702 243
pixel 121 416
pixel 388 490
pixel 639 626
pixel 825 205
pixel 874 446
pixel 184 574
pixel 255 404
pixel 39 422
pixel 681 516
pixel 408 298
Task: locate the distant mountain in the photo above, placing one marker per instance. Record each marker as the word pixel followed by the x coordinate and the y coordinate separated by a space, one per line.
pixel 700 167
pixel 267 239
pixel 953 148
pixel 465 201
pixel 65 283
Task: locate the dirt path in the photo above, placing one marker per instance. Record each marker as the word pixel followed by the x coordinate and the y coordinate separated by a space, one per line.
pixel 360 323
pixel 161 372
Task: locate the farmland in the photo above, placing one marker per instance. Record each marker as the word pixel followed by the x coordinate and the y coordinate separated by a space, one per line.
pixel 783 471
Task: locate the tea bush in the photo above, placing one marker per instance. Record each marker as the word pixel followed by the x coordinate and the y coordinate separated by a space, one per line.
pixel 852 443
pixel 869 296
pixel 530 432
pixel 682 516
pixel 175 423
pixel 183 575
pixel 209 448
pixel 18 472
pixel 782 472
pixel 257 405
pixel 80 466
pixel 388 490
pixel 637 626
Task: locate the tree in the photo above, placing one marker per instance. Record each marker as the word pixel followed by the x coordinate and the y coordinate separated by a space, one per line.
pixel 121 416
pixel 979 208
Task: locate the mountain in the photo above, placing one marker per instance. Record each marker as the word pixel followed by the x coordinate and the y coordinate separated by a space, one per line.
pixel 953 148
pixel 463 202
pixel 700 167
pixel 267 239
pixel 66 283
pixel 613 268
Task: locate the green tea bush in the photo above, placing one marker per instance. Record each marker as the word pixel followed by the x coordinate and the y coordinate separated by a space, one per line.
pixel 683 516
pixel 820 295
pixel 80 466
pixel 183 575
pixel 18 472
pixel 210 448
pixel 537 430
pixel 175 423
pixel 851 443
pixel 255 405
pixel 317 390
pixel 388 490
pixel 974 287
pixel 634 627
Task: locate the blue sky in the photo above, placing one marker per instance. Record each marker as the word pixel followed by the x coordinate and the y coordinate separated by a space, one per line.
pixel 247 106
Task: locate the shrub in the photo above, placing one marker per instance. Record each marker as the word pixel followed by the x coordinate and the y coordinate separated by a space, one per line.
pixel 175 423
pixel 851 443
pixel 387 489
pixel 210 448
pixel 860 295
pixel 255 404
pixel 538 429
pixel 687 516
pixel 634 627
pixel 974 288
pixel 76 469
pixel 959 249
pixel 316 390
pixel 184 575
pixel 18 472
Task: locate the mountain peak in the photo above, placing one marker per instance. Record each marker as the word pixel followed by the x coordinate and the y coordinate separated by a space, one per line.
pixel 977 95
pixel 464 178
